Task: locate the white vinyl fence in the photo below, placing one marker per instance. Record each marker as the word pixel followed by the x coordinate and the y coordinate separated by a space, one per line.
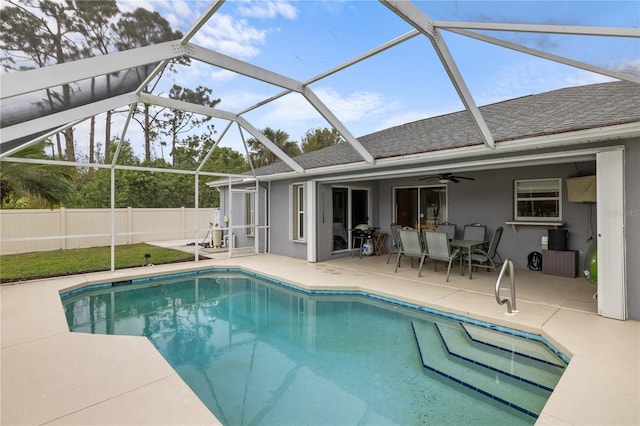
pixel 24 231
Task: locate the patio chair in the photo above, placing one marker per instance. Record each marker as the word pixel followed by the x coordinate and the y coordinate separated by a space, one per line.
pixel 439 249
pixel 411 245
pixel 485 259
pixel 447 228
pixel 474 232
pixel 395 236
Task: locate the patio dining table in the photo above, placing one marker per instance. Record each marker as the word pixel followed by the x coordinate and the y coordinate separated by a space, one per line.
pixel 467 245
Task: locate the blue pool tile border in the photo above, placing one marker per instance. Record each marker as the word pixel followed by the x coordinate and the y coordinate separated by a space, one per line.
pixel 83 289
pixel 452 316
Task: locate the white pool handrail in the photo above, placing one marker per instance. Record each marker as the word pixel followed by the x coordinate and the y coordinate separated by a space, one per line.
pixel 510 303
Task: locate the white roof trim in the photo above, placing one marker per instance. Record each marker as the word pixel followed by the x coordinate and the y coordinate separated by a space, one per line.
pixel 622 131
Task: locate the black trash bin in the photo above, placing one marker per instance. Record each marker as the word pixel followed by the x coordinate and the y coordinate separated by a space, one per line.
pixel 558 239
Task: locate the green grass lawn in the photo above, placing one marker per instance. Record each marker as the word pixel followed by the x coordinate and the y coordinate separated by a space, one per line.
pixel 43 264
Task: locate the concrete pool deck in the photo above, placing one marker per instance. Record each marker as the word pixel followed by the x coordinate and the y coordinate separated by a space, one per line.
pixel 52 376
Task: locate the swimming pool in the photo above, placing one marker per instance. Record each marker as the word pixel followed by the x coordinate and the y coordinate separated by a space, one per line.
pixel 256 351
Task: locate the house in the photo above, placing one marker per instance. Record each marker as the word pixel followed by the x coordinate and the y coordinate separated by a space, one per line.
pixel 541 141
pixel 518 151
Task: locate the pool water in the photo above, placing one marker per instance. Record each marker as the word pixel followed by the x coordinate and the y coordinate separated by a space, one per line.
pixel 259 353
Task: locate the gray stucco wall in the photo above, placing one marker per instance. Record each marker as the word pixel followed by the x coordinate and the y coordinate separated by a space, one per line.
pixel 280 216
pixel 491 198
pixel 488 200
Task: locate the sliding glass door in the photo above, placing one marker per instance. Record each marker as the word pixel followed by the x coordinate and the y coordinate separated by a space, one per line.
pixel 422 207
pixel 350 207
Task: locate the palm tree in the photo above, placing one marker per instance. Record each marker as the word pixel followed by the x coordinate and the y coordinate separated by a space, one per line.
pixel 316 139
pixel 260 155
pixel 42 183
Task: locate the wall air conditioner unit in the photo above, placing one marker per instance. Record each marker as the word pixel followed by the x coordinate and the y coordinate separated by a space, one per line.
pixel 581 189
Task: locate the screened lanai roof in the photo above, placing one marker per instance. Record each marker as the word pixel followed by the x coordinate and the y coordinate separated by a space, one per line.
pixel 358 67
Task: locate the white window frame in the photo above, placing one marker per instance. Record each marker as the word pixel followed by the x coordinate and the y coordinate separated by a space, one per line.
pixel 297 208
pixel 519 197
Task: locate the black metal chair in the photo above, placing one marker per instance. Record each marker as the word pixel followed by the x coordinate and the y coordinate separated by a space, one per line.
pixel 485 259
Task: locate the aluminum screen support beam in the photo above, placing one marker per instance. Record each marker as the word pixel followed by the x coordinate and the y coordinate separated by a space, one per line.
pixel 212 112
pixel 537 28
pixel 248 70
pixel 266 142
pixel 211 9
pixel 18 83
pixel 187 106
pixel 412 15
pixel 545 55
pixel 65 118
pixel 231 64
pixel 36 139
pixel 333 120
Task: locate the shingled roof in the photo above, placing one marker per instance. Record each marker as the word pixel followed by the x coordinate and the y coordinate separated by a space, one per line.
pixel 559 111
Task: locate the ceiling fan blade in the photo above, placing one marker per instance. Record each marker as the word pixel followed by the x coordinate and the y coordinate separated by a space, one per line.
pixel 444 177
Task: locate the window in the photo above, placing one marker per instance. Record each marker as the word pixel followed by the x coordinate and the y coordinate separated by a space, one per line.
pixel 297 197
pixel 538 199
pixel 420 207
pixel 249 204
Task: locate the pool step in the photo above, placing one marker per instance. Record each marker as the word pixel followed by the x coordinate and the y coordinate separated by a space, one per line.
pixel 511 363
pixel 505 342
pixel 520 395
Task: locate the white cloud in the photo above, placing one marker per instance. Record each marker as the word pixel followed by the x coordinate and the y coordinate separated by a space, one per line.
pixel 269 9
pixel 235 100
pixel 630 67
pixel 354 106
pixel 130 6
pixel 531 77
pixel 295 115
pixel 232 37
pixel 183 9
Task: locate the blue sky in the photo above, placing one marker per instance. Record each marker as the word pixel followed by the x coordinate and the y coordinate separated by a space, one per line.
pixel 305 38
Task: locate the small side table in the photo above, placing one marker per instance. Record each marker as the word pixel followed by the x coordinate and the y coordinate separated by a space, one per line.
pixel 379 238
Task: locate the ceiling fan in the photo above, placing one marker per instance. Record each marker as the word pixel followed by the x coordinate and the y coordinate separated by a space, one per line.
pixel 446 178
